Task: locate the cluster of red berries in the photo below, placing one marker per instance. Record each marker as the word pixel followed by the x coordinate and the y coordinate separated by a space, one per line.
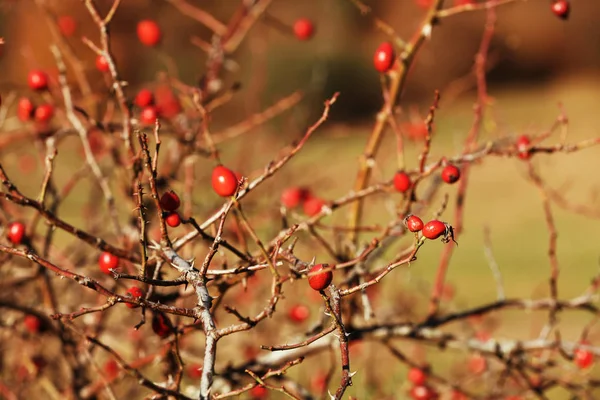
pixel 403 183
pixel 16 233
pixel 26 110
pixel 170 202
pixel 420 390
pixel 293 197
pixel 431 230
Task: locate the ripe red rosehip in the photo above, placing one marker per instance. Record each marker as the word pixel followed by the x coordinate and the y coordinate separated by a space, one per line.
pixel 477 364
pixel 111 369
pixel 161 325
pixel 170 201
pixel 402 181
pixel 320 280
pixel 67 25
pixel 37 80
pixel 583 358
pixel 294 196
pixel 173 220
pixel 16 233
pixel 44 113
pixel 422 392
pixel 417 376
pixel 259 392
pixel 561 8
pixel 313 206
pixel 149 115
pixel 25 109
pixel 32 323
pixel 413 223
pixel 224 181
pixel 424 3
pixel 434 229
pixel 149 33
pixel 102 64
pixel 144 98
pixel 450 174
pixel 523 144
pixel 304 29
pixel 299 313
pixel 194 371
pixel 384 57
pixel 136 293
pixel 108 261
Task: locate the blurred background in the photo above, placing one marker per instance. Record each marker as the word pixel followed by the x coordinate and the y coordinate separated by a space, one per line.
pixel 537 62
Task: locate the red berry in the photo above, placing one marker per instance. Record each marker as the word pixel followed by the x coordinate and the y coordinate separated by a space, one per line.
pixel 149 115
pixel 292 197
pixel 167 102
pixel 413 223
pixel 523 144
pixel 477 364
pixel 422 392
pixel 102 64
pixel 136 293
pixel 402 181
pixel 319 382
pixel 144 98
pixel 169 201
pixel 583 358
pixel 304 29
pixel 67 25
pixel 417 376
pixel 313 206
pixel 148 32
pixel 259 392
pixel 194 371
pixel 44 113
pixel 32 323
pixel 434 229
pixel 299 313
pixel 224 181
pixel 450 174
pixel 161 325
pixel 108 261
pixel 320 280
pixel 16 233
pixel 173 220
pixel 111 369
pixel 38 80
pixel 384 57
pixel 25 109
pixel 561 8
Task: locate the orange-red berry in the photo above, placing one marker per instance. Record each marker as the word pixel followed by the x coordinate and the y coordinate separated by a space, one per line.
pixel 313 206
pixel 149 33
pixel 293 196
pixel 477 364
pixel 194 371
pixel 25 109
pixel 523 144
pixel 144 98
pixel 434 229
pixel 67 25
pixel 384 57
pixel 259 392
pixel 149 115
pixel 224 181
pixel 319 279
pixel 304 29
pixel 417 376
pixel 583 358
pixel 111 369
pixel 32 323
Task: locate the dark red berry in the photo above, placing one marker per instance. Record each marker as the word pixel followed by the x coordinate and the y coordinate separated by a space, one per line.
pixel 173 220
pixel 313 206
pixel 170 201
pixel 25 109
pixel 16 233
pixel 294 196
pixel 384 57
pixel 67 25
pixel 320 280
pixel 304 29
pixel 108 262
pixel 299 313
pixel 136 293
pixel 561 8
pixel 144 98
pixel 434 229
pixel 149 33
pixel 148 115
pixel 523 144
pixel 161 325
pixel 44 113
pixel 402 181
pixel 450 174
pixel 102 64
pixel 37 80
pixel 224 181
pixel 413 223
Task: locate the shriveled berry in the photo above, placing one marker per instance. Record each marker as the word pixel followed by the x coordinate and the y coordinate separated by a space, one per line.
pixel 44 113
pixel 583 358
pixel 37 80
pixel 170 201
pixel 102 64
pixel 67 25
pixel 32 323
pixel 25 109
pixel 149 33
pixel 402 181
pixel 313 206
pixel 224 181
pixel 173 220
pixel 144 98
pixel 108 262
pixel 417 376
pixel 561 8
pixel 434 229
pixel 523 144
pixel 16 233
pixel 149 115
pixel 136 293
pixel 294 196
pixel 413 223
pixel 304 29
pixel 319 279
pixel 384 57
pixel 450 174
pixel 299 313
pixel 161 325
